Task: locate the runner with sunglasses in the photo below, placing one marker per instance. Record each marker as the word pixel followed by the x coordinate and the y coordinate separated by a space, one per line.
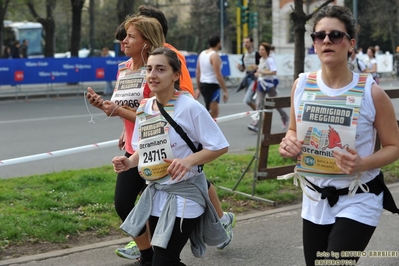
pixel 337 115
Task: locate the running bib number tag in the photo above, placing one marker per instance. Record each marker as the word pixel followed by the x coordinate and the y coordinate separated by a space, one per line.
pixel 134 104
pixel 155 155
pixel 129 89
pixel 152 152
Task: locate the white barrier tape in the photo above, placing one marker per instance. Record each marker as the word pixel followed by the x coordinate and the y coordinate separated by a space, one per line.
pixel 58 153
pixel 100 145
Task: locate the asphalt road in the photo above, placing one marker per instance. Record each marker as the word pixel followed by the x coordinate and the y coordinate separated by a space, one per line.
pixel 36 126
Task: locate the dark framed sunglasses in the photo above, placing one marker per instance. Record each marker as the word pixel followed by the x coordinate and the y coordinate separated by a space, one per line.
pixel 335 36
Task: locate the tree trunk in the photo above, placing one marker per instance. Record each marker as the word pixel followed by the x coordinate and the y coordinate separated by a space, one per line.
pixel 48 25
pixel 77 6
pixel 396 40
pixel 91 25
pixel 49 38
pixel 299 19
pixel 3 11
pixel 124 8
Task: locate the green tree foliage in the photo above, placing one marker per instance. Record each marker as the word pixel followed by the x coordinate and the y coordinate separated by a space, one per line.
pixel 379 23
pixel 265 23
pixel 124 8
pixel 204 22
pixel 104 24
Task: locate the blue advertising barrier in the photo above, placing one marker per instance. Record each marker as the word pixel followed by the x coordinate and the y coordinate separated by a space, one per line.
pixel 191 62
pixel 58 70
pixel 73 70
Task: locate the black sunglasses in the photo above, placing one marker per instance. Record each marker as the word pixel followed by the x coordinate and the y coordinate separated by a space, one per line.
pixel 335 36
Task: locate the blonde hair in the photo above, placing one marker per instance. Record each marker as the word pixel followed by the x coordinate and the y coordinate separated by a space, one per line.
pixel 149 28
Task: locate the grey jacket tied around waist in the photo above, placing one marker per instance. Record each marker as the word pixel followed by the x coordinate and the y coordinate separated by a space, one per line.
pixel 208 231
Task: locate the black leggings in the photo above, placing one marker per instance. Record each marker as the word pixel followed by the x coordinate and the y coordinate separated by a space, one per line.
pixel 344 235
pixel 128 186
pixel 171 255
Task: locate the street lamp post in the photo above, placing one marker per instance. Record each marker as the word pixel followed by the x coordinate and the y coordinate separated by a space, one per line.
pixel 355 15
pixel 221 23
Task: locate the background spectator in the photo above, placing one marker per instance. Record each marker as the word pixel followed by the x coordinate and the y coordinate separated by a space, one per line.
pixel 371 64
pixel 355 64
pixel 15 50
pixel 23 50
pixel 108 85
pixel 6 52
pixel 377 50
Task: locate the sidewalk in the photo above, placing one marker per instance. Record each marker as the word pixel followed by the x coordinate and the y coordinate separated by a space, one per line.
pixel 266 238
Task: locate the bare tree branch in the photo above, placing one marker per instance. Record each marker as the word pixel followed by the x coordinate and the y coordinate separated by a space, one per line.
pixel 309 16
pixel 32 9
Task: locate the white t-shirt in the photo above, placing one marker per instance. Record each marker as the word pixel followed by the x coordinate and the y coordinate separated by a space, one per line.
pixel 364 207
pixel 267 64
pixel 200 128
pixel 369 64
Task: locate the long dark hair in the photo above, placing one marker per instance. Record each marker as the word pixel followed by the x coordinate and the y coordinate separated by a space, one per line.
pixel 372 49
pixel 267 47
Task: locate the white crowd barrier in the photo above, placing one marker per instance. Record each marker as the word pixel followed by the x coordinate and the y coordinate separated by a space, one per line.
pixel 384 62
pixel 285 64
pixel 101 145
